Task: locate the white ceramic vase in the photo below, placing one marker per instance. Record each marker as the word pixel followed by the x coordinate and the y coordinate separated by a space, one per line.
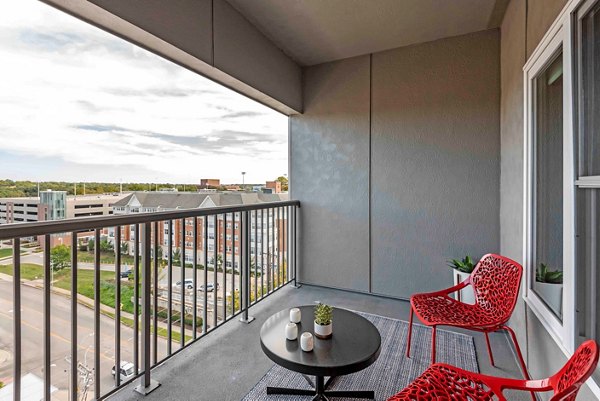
pixel 295 315
pixel 306 342
pixel 291 331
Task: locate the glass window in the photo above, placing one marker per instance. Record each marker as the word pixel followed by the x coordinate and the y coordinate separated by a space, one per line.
pixel 548 185
pixel 589 70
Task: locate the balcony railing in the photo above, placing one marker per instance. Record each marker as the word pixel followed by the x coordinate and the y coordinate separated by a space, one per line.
pixel 166 318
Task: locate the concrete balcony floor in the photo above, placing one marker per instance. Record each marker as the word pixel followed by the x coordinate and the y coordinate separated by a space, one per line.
pixel 227 363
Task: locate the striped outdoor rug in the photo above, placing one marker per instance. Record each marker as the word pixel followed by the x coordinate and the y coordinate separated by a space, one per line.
pixel 391 372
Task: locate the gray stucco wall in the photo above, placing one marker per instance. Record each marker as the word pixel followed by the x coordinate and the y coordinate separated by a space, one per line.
pixel 427 153
pixel 330 174
pixel 435 160
pixel 524 25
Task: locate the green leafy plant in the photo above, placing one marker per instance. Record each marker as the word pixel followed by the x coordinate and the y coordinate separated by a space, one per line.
pixel 543 275
pixel 60 257
pixel 465 265
pixel 323 314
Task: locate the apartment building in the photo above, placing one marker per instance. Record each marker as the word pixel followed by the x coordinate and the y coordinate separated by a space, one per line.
pixel 223 233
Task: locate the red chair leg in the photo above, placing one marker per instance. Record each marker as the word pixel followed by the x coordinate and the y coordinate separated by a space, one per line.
pixel 410 322
pixel 489 347
pixel 520 356
pixel 433 344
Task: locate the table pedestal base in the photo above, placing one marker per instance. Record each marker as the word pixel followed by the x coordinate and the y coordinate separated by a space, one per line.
pixel 320 392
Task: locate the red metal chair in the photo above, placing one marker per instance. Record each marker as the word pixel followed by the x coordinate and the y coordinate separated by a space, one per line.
pixel 495 281
pixel 446 382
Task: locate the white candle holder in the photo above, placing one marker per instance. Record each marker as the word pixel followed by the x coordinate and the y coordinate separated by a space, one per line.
pixel 295 315
pixel 291 331
pixel 306 342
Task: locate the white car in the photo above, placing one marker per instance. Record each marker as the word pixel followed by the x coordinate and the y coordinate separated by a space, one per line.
pixel 210 287
pixel 187 283
pixel 126 371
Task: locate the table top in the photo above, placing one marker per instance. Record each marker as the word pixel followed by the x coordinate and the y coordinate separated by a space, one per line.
pixel 355 343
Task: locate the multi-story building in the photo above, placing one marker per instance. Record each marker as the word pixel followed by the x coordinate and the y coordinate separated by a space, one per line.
pixel 55 205
pixel 207 183
pixel 228 235
pixel 274 186
pixel 91 205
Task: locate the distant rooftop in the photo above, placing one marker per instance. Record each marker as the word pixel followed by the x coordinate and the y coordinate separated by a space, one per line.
pixel 193 200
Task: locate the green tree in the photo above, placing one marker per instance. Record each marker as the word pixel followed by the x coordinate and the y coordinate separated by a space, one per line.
pixel 177 256
pixel 124 248
pixel 60 257
pixel 284 182
pixel 105 246
pixel 90 245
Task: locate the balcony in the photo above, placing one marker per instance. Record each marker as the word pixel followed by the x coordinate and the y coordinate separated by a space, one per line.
pixel 227 364
pixel 419 131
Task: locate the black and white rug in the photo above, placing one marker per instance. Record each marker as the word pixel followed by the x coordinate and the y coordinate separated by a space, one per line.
pixel 391 372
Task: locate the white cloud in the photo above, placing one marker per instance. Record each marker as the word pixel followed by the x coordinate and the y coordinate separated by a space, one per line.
pixel 74 93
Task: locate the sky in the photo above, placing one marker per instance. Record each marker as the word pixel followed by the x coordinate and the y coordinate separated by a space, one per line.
pixel 78 104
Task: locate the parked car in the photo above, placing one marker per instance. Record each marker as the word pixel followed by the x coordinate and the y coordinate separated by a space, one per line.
pixel 210 287
pixel 125 273
pixel 126 371
pixel 187 283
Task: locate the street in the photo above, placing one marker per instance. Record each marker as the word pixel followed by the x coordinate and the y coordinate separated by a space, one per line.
pixel 33 340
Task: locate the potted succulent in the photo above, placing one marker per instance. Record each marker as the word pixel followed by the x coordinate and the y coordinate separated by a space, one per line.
pixel 323 321
pixel 548 285
pixel 461 270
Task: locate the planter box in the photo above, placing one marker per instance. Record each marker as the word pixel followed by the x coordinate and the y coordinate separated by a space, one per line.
pixel 465 295
pixel 551 294
pixel 323 332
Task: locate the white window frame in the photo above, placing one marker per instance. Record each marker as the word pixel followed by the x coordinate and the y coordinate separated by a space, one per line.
pixel 560 330
pixel 560 34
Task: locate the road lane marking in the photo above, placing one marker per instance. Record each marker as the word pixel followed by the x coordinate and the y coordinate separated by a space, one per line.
pixel 57 336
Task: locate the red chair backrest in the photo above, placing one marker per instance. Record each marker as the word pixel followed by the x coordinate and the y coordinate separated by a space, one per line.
pixel 567 382
pixel 496 280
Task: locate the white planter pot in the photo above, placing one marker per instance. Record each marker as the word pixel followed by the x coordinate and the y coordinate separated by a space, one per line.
pixel 551 294
pixel 323 332
pixel 465 295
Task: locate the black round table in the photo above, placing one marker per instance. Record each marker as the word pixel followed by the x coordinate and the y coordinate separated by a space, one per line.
pixel 355 345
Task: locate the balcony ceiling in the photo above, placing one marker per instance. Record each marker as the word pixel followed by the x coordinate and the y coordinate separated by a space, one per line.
pixel 318 31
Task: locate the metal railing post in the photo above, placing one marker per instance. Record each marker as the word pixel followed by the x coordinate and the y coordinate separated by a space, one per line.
pixel 295 245
pixel 17 318
pixel 245 271
pixel 147 385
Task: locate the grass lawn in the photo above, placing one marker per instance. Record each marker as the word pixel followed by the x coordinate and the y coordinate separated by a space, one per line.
pixel 85 287
pixel 6 252
pixel 105 257
pixel 28 271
